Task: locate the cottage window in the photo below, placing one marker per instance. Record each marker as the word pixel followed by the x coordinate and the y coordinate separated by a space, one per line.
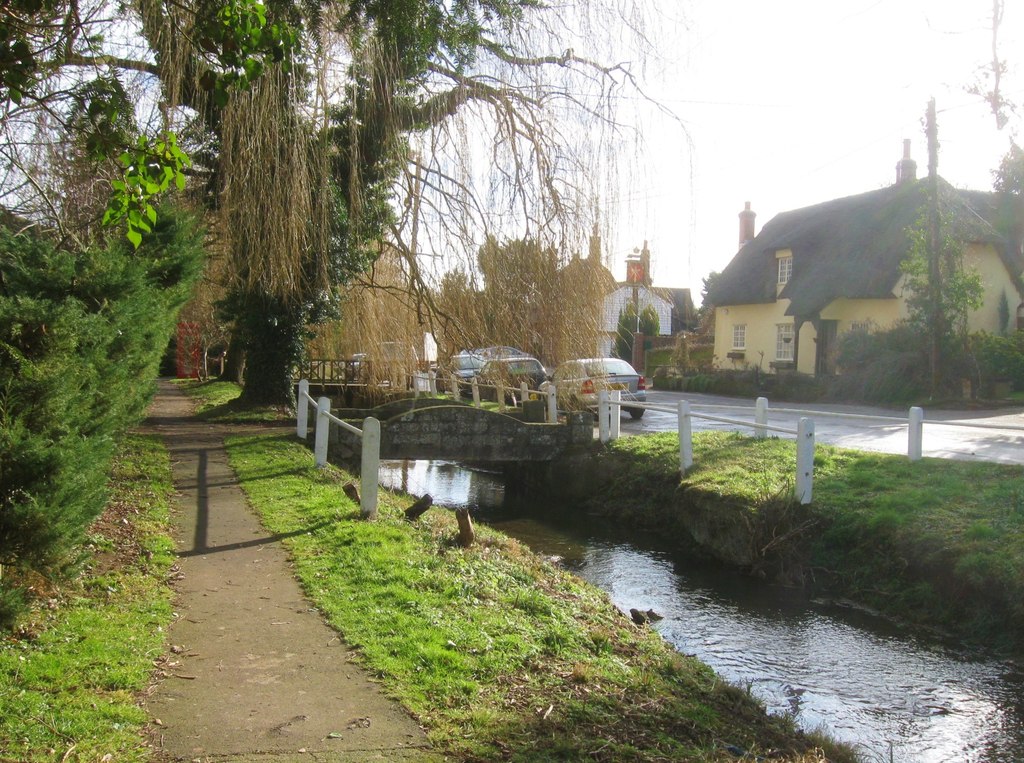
pixel 785 269
pixel 861 325
pixel 784 341
pixel 739 336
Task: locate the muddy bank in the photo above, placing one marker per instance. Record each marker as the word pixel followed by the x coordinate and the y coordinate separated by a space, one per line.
pixel 769 541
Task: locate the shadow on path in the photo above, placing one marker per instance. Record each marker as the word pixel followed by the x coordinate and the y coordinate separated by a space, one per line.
pixel 254 672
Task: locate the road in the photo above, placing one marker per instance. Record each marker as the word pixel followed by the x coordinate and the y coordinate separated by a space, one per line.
pixel 1003 443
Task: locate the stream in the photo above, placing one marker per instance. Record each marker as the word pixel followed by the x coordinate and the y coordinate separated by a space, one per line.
pixel 894 694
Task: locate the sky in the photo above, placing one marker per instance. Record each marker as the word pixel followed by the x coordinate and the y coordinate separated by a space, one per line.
pixel 796 102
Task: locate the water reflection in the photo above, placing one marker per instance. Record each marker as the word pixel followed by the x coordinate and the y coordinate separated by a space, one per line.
pixel 897 696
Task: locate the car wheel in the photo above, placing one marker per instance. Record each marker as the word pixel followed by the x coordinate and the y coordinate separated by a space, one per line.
pixel 636 413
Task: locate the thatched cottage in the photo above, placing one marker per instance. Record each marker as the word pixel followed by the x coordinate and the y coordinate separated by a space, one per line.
pixel 812 274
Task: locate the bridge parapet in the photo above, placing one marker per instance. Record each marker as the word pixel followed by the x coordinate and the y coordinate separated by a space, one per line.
pixel 444 430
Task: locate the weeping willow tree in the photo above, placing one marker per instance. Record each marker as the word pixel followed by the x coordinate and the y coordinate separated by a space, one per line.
pixel 320 135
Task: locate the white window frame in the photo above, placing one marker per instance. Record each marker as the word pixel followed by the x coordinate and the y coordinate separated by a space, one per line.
pixel 784 349
pixel 739 336
pixel 785 269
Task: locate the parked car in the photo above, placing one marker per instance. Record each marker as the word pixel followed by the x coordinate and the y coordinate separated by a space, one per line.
pixel 511 373
pixel 503 351
pixel 578 383
pixel 466 365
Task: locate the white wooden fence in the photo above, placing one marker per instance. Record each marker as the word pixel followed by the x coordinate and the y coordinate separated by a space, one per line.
pixel 370 435
pixel 608 418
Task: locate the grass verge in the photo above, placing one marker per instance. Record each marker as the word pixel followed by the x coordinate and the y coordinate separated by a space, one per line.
pixel 219 401
pixel 70 680
pixel 501 655
pixel 935 542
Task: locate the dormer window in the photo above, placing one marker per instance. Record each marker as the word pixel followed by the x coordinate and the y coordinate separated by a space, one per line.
pixel 785 267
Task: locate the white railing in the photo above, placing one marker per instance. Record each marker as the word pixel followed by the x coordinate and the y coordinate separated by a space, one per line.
pixel 914 421
pixel 609 407
pixel 370 435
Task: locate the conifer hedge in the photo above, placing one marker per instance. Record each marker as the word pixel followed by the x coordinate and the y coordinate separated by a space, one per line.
pixel 81 337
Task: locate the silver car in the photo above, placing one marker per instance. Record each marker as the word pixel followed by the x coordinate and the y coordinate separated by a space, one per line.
pixel 578 383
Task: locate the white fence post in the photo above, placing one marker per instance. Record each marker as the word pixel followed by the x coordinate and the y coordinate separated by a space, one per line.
pixel 915 433
pixel 455 388
pixel 552 405
pixel 302 409
pixel 685 437
pixel 432 377
pixel 615 414
pixel 476 393
pixel 602 416
pixel 804 459
pixel 761 417
pixel 369 468
pixel 323 425
pixel 524 390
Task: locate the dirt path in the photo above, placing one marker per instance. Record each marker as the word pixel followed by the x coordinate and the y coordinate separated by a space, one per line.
pixel 255 673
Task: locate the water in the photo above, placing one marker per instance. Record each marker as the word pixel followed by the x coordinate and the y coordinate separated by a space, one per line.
pixel 896 695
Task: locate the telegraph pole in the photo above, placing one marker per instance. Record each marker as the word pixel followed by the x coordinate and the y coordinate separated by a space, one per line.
pixel 933 249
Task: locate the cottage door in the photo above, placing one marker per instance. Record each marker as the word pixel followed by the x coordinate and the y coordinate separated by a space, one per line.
pixel 825 357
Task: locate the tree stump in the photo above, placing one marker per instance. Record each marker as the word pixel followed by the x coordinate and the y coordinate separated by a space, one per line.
pixel 416 510
pixel 466 535
pixel 352 492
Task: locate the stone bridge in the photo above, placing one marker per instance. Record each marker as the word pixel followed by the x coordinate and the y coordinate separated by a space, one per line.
pixel 430 428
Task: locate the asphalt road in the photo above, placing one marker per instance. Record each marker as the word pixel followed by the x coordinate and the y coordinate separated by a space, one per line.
pixel 1001 440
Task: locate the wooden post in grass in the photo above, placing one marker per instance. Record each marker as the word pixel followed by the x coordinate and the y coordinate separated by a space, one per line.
pixel 615 414
pixel 915 433
pixel 552 405
pixel 323 426
pixel 454 381
pixel 685 436
pixel 419 507
pixel 761 417
pixel 804 460
pixel 370 467
pixel 476 392
pixel 302 409
pixel 602 416
pixel 466 535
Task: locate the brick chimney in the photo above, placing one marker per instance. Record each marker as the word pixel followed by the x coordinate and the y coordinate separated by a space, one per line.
pixel 595 245
pixel 746 224
pixel 906 168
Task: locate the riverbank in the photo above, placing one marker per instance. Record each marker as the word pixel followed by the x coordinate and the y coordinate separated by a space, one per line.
pixel 497 653
pixel 935 543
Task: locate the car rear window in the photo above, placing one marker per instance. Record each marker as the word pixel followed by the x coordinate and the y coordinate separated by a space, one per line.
pixel 610 367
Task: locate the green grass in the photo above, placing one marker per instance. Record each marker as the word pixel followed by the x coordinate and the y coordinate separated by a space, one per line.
pixel 498 653
pixel 219 401
pixel 936 541
pixel 69 682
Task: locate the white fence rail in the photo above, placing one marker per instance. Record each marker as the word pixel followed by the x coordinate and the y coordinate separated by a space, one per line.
pixel 369 467
pixel 609 414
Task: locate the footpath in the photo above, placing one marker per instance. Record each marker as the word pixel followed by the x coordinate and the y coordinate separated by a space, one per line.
pixel 254 673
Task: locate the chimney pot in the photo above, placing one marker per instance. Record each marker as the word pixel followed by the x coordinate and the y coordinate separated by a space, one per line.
pixel 747 217
pixel 906 168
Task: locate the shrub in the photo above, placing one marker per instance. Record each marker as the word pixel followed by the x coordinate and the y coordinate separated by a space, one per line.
pixel 999 358
pixel 81 335
pixel 882 366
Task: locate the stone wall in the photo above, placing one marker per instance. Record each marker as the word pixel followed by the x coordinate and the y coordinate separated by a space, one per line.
pixel 455 432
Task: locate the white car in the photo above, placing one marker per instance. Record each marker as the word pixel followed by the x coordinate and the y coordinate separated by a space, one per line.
pixel 578 383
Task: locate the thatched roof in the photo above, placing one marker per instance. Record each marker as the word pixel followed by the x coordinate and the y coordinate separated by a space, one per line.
pixel 851 247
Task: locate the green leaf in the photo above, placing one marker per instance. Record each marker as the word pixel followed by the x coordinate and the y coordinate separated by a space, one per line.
pixel 135 237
